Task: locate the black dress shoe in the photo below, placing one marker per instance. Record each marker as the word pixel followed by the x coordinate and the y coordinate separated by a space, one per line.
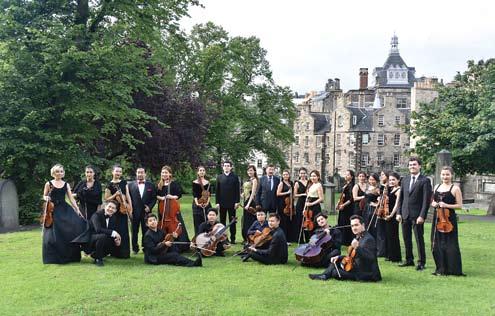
pixel 199 261
pixel 406 264
pixel 99 262
pixel 420 267
pixel 322 277
pixel 246 258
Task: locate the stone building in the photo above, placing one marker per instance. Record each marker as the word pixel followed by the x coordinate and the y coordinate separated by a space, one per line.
pixel 361 129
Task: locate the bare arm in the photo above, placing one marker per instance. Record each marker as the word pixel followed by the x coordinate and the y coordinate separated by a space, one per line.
pixel 73 201
pixel 253 191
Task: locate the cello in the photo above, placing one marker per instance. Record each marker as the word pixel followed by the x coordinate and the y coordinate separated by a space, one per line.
pixel 258 239
pixel 205 242
pixel 312 252
pixel 168 210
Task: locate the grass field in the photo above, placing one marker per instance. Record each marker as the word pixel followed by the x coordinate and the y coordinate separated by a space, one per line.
pixel 225 286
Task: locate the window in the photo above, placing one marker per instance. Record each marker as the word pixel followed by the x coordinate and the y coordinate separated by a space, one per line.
pixel 327 158
pixel 391 74
pixel 339 139
pixel 317 157
pixel 259 163
pixel 365 159
pixel 338 159
pixel 352 160
pixel 379 157
pixel 354 120
pixel 296 157
pixel 401 103
pixel 396 159
pixel 366 138
pixel 397 120
pixel 381 139
pixel 306 141
pixel 340 121
pixel 380 121
pixel 397 140
pixel 307 126
pixel 328 140
pixel 318 141
pixel 296 140
pixel 306 158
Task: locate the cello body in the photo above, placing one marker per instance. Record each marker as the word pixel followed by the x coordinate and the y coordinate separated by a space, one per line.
pixel 168 210
pixel 207 244
pixel 312 252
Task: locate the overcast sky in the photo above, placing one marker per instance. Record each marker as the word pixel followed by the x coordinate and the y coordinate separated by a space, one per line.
pixel 313 40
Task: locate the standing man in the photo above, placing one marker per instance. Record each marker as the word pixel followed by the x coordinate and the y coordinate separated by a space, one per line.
pixel 414 201
pixel 228 195
pixel 143 196
pixel 267 193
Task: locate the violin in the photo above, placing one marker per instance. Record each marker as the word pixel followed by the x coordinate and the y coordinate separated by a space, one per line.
pixel 48 207
pixel 170 236
pixel 347 262
pixel 169 209
pixel 308 222
pixel 312 253
pixel 258 239
pixel 362 204
pixel 205 242
pixel 289 207
pixel 253 210
pixel 341 201
pixel 443 224
pixel 382 209
pixel 123 206
pixel 205 194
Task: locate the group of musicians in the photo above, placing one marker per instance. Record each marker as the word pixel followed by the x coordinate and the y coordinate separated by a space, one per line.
pixel 276 213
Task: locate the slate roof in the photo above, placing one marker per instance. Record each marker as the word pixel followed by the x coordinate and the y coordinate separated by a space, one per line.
pixel 322 123
pixel 364 122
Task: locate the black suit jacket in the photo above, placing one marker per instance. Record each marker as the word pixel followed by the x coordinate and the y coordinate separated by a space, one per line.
pixel 265 197
pixel 365 262
pixel 138 203
pixel 152 245
pixel 228 190
pixel 277 251
pixel 97 226
pixel 415 203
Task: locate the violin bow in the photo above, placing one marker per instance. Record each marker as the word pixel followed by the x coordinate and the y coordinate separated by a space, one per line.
pixel 302 223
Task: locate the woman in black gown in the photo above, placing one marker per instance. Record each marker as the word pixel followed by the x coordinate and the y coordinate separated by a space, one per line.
pixel 358 192
pixel 379 221
pixel 346 209
pixel 169 189
pixel 284 192
pixel 371 195
pixel 249 190
pixel 391 225
pixel 445 246
pixel 88 193
pixel 200 185
pixel 118 186
pixel 300 194
pixel 68 222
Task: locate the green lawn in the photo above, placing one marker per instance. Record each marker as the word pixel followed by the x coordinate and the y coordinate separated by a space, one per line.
pixel 225 286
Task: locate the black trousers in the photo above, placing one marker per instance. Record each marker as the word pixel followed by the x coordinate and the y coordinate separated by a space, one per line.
pixel 103 246
pixel 409 225
pixel 331 272
pixel 262 258
pixel 381 237
pixel 136 222
pixel 199 216
pixel 175 259
pixel 223 219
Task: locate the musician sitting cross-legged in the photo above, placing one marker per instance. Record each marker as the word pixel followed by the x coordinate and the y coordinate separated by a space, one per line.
pixel 207 227
pixel 277 250
pixel 258 226
pixel 361 264
pixel 159 251
pixel 328 249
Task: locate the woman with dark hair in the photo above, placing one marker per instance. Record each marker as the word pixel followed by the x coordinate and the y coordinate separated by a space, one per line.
pixel 88 193
pixel 379 221
pixel 288 222
pixel 249 190
pixel 358 193
pixel 346 208
pixel 300 187
pixel 371 195
pixel 391 225
pixel 201 194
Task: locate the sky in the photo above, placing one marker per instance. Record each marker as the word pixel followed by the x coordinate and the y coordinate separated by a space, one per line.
pixel 310 41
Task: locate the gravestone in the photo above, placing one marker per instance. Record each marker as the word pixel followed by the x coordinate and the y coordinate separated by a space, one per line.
pixel 444 158
pixel 9 205
pixel 328 203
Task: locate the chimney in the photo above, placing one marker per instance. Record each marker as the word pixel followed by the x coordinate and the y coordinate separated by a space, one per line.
pixel 363 78
pixel 337 84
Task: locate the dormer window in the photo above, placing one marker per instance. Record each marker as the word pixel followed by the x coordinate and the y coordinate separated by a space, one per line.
pixel 354 120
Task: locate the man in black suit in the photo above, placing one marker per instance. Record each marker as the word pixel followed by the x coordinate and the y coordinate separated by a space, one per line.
pixel 277 250
pixel 227 196
pixel 365 263
pixel 414 201
pixel 143 197
pixel 101 238
pixel 159 251
pixel 267 192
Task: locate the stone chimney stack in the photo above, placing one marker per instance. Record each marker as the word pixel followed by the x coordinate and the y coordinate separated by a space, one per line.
pixel 363 78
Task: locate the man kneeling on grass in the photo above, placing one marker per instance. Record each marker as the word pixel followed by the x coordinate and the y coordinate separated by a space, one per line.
pixel 277 250
pixel 159 251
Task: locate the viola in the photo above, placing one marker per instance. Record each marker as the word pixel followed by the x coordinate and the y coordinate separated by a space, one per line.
pixel 205 194
pixel 443 223
pixel 48 207
pixel 123 206
pixel 347 262
pixel 289 206
pixel 205 242
pixel 308 222
pixel 312 253
pixel 341 201
pixel 382 209
pixel 362 204
pixel 169 210
pixel 258 239
pixel 170 236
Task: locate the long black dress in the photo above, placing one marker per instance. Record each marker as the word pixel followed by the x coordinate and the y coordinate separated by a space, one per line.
pixel 344 218
pixel 199 215
pixel 175 189
pixel 381 230
pixel 290 227
pixel 121 221
pixel 392 231
pixel 88 198
pixel 446 251
pixel 299 209
pixel 357 209
pixel 369 213
pixel 67 225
